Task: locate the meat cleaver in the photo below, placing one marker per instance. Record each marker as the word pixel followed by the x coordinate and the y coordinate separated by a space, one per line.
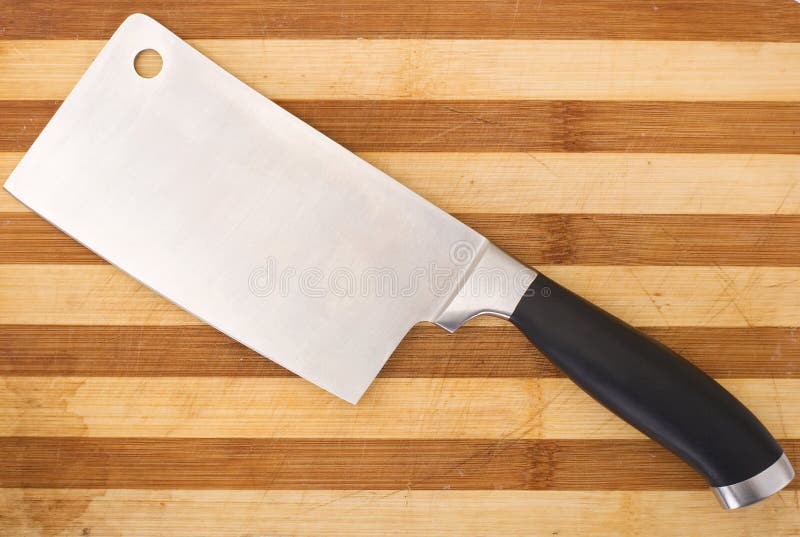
pixel 224 203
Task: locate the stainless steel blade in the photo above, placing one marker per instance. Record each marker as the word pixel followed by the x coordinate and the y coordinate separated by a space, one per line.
pixel 245 216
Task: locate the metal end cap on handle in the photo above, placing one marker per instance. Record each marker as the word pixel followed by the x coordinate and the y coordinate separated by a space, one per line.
pixel 760 486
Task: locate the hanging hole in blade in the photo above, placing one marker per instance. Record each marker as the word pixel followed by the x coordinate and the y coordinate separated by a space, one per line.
pixel 147 63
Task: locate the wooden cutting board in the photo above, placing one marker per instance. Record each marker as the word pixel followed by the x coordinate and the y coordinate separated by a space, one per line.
pixel 644 153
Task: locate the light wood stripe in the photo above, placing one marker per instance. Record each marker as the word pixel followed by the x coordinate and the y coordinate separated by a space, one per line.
pixel 513 126
pixel 626 183
pixel 586 239
pixel 427 351
pixel 211 407
pixel 358 512
pixel 642 295
pixel 595 183
pixel 743 20
pixel 342 464
pixel 451 69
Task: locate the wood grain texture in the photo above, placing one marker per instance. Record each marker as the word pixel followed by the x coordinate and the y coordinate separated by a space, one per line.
pixel 644 153
pixel 528 126
pixel 457 408
pixel 643 295
pixel 451 69
pixel 729 20
pixel 359 512
pixel 246 463
pixel 579 183
pixel 580 239
pixel 427 352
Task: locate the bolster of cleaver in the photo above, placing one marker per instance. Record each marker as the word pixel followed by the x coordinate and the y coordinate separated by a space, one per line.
pixel 657 391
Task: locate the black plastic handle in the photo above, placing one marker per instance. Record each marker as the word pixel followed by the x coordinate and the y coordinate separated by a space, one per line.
pixel 648 385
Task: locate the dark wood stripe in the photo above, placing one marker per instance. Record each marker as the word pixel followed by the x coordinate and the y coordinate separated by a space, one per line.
pixel 602 239
pixel 28 238
pixel 726 20
pixel 22 121
pixel 275 463
pixel 427 351
pixel 536 239
pixel 624 126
